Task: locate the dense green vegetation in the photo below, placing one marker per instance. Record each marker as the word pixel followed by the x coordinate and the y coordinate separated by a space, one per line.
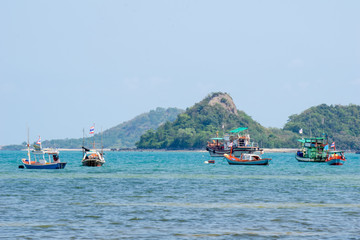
pixel 175 129
pixel 121 136
pixel 340 123
pixel 193 128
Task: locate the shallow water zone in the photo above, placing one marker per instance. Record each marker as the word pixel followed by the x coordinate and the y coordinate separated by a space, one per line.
pixel 175 195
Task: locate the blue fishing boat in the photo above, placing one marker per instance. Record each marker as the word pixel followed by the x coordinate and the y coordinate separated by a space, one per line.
pixel 247 159
pixel 42 158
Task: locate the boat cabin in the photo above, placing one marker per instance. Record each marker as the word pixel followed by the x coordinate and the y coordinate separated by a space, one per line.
pixel 44 156
pixel 250 157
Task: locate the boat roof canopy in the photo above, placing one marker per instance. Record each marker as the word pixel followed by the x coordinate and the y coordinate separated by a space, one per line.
pixel 217 138
pixel 237 130
pixel 332 152
pixel 303 140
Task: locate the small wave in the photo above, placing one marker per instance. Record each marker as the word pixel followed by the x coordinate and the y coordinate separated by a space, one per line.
pixel 237 205
pixel 258 234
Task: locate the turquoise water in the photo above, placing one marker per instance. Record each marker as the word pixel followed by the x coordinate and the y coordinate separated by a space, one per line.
pixel 174 195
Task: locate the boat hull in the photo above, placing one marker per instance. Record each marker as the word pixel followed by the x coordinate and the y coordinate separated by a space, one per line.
pixel 92 163
pixel 236 151
pixel 237 161
pixel 303 159
pixel 217 152
pixel 251 150
pixel 336 162
pixel 60 165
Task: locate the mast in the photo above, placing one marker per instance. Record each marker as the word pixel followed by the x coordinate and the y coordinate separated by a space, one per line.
pixel 28 146
pixel 102 146
pixel 83 145
pixel 94 138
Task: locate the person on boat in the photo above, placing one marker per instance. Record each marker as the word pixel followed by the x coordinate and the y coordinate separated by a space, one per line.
pixel 55 158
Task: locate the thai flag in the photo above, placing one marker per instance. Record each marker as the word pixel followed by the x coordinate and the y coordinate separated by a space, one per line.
pixel 92 130
pixel 39 141
pixel 333 145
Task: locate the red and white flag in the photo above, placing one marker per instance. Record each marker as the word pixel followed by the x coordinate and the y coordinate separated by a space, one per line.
pixel 92 130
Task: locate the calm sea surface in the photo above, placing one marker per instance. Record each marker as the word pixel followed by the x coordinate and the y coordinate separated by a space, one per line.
pixel 175 195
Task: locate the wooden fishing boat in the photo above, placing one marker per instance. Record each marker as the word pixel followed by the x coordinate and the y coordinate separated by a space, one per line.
pixel 335 158
pixel 235 139
pixel 217 147
pixel 92 158
pixel 313 149
pixel 40 161
pixel 247 159
pixel 42 158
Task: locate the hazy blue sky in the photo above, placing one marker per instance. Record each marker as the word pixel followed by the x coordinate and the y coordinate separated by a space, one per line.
pixel 67 64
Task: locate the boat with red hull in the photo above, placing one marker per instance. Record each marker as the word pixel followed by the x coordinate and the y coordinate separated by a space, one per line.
pixel 335 158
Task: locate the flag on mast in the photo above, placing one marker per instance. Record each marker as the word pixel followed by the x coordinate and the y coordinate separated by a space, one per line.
pixel 301 131
pixel 332 145
pixel 39 141
pixel 92 129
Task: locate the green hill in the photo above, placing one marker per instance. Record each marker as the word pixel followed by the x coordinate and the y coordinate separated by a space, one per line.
pixel 340 123
pixel 173 128
pixel 126 134
pixel 194 127
pixel 123 135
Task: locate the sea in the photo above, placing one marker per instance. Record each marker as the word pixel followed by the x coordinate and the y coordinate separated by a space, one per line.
pixel 176 195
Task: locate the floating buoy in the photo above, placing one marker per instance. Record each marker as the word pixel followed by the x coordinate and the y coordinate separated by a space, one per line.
pixel 210 161
pixel 21 166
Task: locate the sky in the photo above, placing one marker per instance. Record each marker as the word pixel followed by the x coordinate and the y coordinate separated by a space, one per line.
pixel 65 65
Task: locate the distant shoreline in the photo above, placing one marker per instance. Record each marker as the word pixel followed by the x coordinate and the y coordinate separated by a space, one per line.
pixel 266 150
